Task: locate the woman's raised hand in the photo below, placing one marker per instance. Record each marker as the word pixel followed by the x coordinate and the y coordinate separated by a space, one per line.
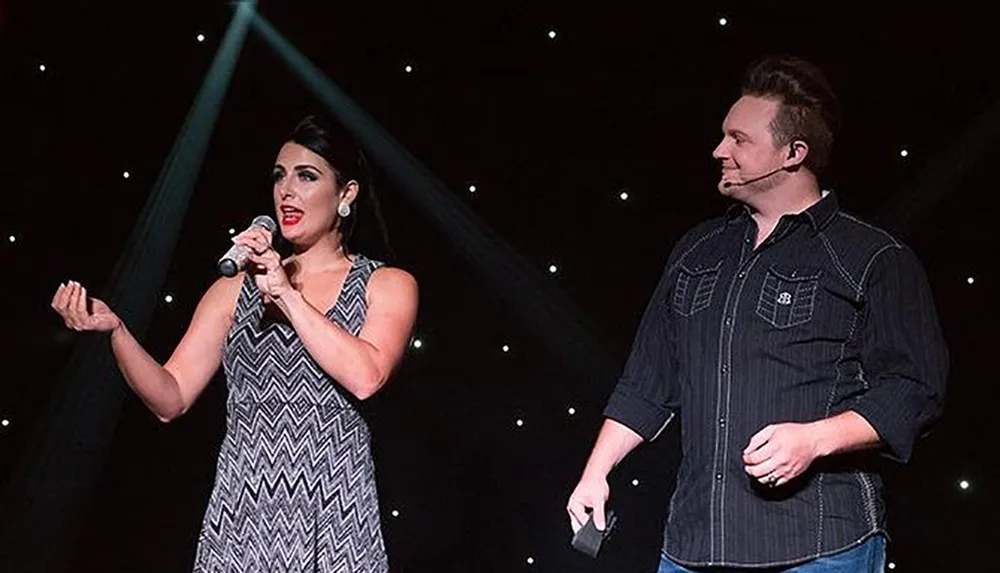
pixel 83 313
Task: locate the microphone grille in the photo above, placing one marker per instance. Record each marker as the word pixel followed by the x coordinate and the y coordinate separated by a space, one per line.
pixel 266 222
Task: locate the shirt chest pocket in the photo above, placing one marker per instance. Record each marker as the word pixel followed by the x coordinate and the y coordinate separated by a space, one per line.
pixel 694 289
pixel 788 295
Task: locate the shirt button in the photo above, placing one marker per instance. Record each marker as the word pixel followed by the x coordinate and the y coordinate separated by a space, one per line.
pixel 722 421
pixel 718 476
pixel 729 320
pixel 725 369
pixel 741 275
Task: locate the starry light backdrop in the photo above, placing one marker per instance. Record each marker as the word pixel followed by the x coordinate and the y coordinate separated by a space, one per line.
pixel 581 133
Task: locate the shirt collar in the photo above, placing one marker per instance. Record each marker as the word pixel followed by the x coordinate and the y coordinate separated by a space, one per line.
pixel 818 216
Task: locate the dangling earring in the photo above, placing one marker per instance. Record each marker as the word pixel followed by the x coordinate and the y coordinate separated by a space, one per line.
pixel 344 210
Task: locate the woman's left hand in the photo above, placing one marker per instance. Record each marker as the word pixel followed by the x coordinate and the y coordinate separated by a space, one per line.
pixel 264 263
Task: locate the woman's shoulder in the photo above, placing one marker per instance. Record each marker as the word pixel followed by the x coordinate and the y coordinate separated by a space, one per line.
pixel 391 281
pixel 223 293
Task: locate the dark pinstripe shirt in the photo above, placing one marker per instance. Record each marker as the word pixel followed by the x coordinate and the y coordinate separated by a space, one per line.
pixel 829 314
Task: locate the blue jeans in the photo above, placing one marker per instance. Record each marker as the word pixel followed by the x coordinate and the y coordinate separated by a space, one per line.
pixel 869 557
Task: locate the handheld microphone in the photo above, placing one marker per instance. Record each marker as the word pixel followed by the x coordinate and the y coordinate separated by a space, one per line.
pixel 235 259
pixel 729 184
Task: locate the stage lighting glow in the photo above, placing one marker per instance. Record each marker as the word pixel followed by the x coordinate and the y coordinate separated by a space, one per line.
pixel 395 513
pixel 41 67
pixel 408 68
pixel 506 348
pixel 12 239
pixel 169 298
pixel 232 231
pixel 903 152
pixel 472 188
pixel 531 560
pixel 635 482
pixel 552 34
pixel 125 175
pixel 970 280
pixel 963 484
pixel 553 269
pixel 417 343
pixel 5 422
pixel 519 422
pixel 723 21
pixel 892 565
pixel 201 37
pixel 571 411
pixel 623 196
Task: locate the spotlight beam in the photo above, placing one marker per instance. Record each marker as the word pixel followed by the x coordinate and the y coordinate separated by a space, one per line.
pixel 49 492
pixel 555 320
pixel 904 212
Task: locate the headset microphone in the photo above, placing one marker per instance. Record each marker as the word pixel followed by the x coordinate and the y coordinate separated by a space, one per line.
pixel 729 184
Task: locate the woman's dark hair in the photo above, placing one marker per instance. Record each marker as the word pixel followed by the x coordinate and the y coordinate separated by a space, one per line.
pixel 364 229
pixel 809 110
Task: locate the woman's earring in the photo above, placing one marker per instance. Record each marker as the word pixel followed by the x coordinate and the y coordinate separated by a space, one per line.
pixel 344 210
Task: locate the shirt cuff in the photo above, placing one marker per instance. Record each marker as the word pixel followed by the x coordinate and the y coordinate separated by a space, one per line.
pixel 637 413
pixel 893 421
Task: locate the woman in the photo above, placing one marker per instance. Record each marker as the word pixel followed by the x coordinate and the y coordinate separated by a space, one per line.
pixel 295 485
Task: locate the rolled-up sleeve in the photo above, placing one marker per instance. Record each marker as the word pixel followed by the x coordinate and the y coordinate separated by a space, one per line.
pixel 904 355
pixel 645 397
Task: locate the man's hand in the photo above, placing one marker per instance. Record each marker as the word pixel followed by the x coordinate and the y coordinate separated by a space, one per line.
pixel 591 493
pixel 781 452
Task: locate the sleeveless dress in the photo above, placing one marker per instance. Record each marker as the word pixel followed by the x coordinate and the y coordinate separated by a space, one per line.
pixel 295 481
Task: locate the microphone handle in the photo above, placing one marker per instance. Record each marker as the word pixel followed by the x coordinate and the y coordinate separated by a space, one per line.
pixel 234 260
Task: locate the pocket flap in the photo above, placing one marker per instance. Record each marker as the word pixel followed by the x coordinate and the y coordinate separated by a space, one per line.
pixel 795 273
pixel 698 270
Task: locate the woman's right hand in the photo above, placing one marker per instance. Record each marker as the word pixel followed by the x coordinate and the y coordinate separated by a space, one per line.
pixel 82 313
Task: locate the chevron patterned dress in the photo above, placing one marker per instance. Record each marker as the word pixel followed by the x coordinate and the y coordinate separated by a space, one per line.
pixel 295 481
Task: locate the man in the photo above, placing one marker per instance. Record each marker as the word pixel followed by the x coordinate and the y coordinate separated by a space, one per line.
pixel 796 343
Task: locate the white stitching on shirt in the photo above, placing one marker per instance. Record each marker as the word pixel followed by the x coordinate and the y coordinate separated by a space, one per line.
pixel 718 414
pixel 826 414
pixel 663 427
pixel 836 263
pixel 868 267
pixel 683 255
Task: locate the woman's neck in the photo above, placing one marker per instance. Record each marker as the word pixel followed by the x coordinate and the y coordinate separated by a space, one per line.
pixel 324 255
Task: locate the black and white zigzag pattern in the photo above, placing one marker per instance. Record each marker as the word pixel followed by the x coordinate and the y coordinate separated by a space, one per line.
pixel 295 482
